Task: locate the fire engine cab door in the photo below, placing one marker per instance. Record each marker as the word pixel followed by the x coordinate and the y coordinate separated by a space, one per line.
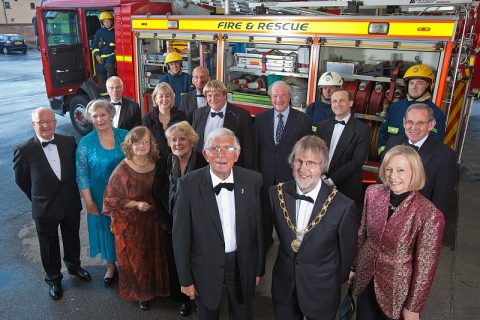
pixel 62 50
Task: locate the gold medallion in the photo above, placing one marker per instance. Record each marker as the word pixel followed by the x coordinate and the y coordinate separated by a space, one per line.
pixel 296 245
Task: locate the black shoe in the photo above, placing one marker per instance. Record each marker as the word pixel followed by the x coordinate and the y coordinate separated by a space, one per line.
pixel 144 305
pixel 55 291
pixel 108 281
pixel 185 309
pixel 81 273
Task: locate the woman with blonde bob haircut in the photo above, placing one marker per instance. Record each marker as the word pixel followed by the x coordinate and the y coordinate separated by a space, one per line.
pixel 399 241
pixel 181 138
pixel 163 115
pixel 139 241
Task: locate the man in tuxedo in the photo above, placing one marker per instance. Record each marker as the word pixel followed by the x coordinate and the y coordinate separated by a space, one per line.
pixel 438 160
pixel 277 130
pixel 317 227
pixel 128 114
pixel 220 113
pixel 217 232
pixel 348 142
pixel 195 99
pixel 45 171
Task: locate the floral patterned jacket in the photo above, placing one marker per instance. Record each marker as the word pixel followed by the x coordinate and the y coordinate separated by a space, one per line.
pixel 400 252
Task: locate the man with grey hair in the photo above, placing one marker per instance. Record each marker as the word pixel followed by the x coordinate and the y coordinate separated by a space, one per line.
pixel 317 228
pixel 45 171
pixel 127 112
pixel 277 130
pixel 217 231
pixel 438 160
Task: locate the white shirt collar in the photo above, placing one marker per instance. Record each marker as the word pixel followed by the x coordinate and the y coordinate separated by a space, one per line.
pixel 216 180
pixel 420 142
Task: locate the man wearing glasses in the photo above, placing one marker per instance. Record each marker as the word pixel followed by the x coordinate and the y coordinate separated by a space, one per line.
pixel 317 228
pixel 45 171
pixel 348 140
pixel 217 231
pixel 438 160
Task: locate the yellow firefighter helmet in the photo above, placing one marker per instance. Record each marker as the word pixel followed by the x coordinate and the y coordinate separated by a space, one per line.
pixel 419 71
pixel 105 15
pixel 172 57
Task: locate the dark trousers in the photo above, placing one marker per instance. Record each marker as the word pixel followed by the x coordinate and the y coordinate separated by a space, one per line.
pixel 290 310
pixel 50 246
pixel 239 309
pixel 175 291
pixel 267 221
pixel 367 305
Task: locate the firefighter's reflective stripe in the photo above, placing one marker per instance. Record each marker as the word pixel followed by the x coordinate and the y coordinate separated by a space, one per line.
pixel 380 150
pixel 392 130
pixel 94 51
pixel 107 55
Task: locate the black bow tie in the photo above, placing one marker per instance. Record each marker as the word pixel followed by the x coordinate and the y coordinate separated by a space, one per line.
pixel 119 103
pixel 301 197
pixel 200 95
pixel 213 114
pixel 226 185
pixel 339 122
pixel 412 145
pixel 46 143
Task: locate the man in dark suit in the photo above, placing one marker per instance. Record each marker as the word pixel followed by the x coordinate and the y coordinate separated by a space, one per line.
pixel 195 99
pixel 217 232
pixel 128 114
pixel 317 227
pixel 274 142
pixel 45 171
pixel 348 142
pixel 438 160
pixel 219 113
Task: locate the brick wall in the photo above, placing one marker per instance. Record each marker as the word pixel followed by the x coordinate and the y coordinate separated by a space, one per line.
pixel 25 30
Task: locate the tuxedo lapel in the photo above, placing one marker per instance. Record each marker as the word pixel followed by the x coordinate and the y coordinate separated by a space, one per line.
pixel 425 152
pixel 230 118
pixel 204 113
pixel 123 112
pixel 206 192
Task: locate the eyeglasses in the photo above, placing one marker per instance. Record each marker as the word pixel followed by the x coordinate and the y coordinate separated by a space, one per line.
pixel 217 149
pixel 309 163
pixel 139 143
pixel 45 122
pixel 419 124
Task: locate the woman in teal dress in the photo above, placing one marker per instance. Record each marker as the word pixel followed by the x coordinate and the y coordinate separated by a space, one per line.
pixel 98 154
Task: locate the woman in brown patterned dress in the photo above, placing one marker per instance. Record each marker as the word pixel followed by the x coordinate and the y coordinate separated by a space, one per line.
pixel 139 241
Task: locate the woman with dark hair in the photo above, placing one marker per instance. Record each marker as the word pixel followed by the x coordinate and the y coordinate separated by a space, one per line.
pixel 399 241
pixel 181 138
pixel 139 241
pixel 163 115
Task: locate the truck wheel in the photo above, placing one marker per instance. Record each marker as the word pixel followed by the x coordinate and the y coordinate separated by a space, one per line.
pixel 78 106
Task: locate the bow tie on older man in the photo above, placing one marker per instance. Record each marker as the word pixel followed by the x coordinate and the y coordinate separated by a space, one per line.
pixel 226 185
pixel 46 143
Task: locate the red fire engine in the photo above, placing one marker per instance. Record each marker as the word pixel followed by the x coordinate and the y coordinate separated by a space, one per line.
pixel 65 31
pixel 369 47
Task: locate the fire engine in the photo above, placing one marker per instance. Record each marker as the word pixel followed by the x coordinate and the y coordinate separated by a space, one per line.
pixel 250 44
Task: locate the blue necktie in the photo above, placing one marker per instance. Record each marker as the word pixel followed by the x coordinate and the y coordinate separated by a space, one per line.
pixel 280 128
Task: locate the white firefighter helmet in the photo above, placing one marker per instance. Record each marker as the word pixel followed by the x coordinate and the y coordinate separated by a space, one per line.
pixel 330 78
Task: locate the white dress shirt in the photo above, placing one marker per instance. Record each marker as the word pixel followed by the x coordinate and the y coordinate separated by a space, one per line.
pixel 420 142
pixel 201 100
pixel 214 122
pixel 226 208
pixel 337 133
pixel 116 117
pixel 304 208
pixel 51 152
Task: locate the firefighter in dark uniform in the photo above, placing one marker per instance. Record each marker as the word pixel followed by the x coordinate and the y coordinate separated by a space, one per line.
pixel 104 49
pixel 418 81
